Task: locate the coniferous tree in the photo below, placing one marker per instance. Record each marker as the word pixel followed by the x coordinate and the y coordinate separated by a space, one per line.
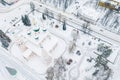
pixel 26 20
pixel 43 16
pixel 12 71
pixel 64 25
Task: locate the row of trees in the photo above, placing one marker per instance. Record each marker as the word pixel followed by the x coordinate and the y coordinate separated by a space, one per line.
pixel 102 70
pixel 5 40
pixel 64 4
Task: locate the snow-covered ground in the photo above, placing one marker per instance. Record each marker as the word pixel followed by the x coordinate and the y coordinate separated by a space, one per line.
pixel 39 46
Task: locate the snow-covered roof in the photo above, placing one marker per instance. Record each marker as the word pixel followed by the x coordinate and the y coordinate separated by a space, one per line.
pixel 110 0
pixel 117 0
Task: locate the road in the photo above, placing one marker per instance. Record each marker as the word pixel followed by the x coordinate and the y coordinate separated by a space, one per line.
pixel 14 6
pixel 7 60
pixel 97 31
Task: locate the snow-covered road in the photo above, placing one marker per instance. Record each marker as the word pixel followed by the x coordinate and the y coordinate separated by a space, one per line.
pixel 10 61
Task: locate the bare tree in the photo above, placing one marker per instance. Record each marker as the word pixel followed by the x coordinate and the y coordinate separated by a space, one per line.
pixel 32 6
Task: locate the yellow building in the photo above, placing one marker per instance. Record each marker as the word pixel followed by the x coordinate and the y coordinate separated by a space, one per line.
pixel 111 4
